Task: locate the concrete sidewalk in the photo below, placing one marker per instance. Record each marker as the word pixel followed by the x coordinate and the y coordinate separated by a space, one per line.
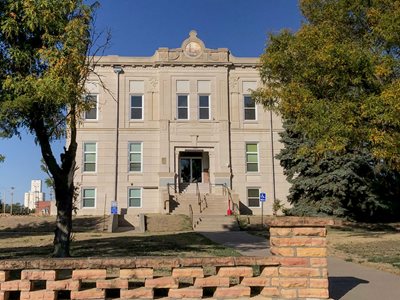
pixel 347 281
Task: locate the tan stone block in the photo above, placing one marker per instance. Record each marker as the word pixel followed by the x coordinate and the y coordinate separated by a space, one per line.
pixel 275 281
pixel 289 293
pixel 65 284
pixel 318 242
pixel 276 231
pixel 313 293
pixel 324 272
pixel 16 285
pixel 88 294
pixel 319 283
pixel 235 271
pixel 139 273
pixel 269 271
pixel 185 293
pixel 292 282
pixel 4 295
pixel 161 282
pixel 89 274
pixel 318 262
pixel 187 272
pixel 299 272
pixel 309 231
pixel 212 281
pixel 112 284
pixel 282 251
pixel 4 275
pixel 38 295
pixel 139 293
pixel 311 252
pixel 290 241
pixel 256 281
pixel 232 292
pixel 294 261
pixel 270 292
pixel 38 275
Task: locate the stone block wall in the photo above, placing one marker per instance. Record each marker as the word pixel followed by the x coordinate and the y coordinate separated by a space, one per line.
pixel 299 244
pixel 296 270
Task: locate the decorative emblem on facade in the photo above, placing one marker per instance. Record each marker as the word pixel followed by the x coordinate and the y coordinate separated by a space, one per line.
pixel 233 84
pixel 193 47
pixel 153 85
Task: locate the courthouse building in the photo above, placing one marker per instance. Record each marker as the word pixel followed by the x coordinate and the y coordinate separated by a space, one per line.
pixel 179 118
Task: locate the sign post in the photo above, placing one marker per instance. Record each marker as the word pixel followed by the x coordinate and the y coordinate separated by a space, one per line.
pixel 114 208
pixel 263 198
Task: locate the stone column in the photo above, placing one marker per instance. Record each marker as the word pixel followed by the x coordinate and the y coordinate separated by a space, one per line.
pixel 299 244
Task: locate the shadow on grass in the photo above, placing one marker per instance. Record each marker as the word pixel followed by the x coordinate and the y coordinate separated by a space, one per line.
pixel 180 244
pixel 33 226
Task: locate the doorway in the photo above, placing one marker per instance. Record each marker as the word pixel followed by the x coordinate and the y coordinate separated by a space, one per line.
pixel 190 169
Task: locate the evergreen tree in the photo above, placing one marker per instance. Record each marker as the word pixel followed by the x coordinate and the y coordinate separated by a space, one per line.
pixel 353 185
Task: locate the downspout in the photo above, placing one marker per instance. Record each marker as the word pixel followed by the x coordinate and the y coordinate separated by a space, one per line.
pixel 229 132
pixel 273 158
pixel 117 70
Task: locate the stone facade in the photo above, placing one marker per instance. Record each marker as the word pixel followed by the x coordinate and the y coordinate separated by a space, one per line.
pixel 183 115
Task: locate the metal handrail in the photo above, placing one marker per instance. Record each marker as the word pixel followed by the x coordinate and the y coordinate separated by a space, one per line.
pixel 191 215
pixel 198 197
pixel 174 194
pixel 232 206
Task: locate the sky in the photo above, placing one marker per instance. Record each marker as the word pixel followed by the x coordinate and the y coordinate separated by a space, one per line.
pixel 139 28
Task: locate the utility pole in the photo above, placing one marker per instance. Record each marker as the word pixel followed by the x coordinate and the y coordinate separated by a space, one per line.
pixel 12 198
pixel 4 204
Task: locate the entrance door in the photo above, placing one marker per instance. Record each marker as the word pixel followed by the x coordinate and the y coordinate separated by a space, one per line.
pixel 190 169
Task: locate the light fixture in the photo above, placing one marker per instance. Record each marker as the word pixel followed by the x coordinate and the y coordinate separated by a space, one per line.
pixel 118 69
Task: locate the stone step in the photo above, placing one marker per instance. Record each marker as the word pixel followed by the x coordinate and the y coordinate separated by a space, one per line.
pixel 215 223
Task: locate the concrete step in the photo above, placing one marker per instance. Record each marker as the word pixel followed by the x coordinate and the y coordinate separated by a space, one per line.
pixel 192 188
pixel 212 223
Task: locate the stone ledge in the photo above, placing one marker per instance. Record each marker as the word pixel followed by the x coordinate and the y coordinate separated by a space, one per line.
pixel 131 263
pixel 299 222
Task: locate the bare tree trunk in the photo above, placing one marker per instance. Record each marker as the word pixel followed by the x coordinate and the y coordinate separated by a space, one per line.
pixel 62 233
pixel 63 182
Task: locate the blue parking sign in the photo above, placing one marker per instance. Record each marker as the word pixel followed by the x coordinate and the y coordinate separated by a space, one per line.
pixel 263 197
pixel 114 208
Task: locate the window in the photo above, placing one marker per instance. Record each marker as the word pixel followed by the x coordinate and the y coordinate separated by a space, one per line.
pixel 136 107
pixel 88 197
pixel 252 157
pixel 253 197
pixel 89 157
pixel 249 108
pixel 183 107
pixel 135 157
pixel 91 114
pixel 135 197
pixel 204 107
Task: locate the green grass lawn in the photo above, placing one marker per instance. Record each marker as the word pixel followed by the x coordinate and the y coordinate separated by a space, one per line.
pixel 184 244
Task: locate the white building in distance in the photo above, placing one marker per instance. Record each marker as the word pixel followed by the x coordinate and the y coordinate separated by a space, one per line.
pixel 34 195
pixel 179 122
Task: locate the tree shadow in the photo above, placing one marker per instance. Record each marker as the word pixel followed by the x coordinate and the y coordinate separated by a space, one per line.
pixel 182 244
pixel 340 286
pixel 34 226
